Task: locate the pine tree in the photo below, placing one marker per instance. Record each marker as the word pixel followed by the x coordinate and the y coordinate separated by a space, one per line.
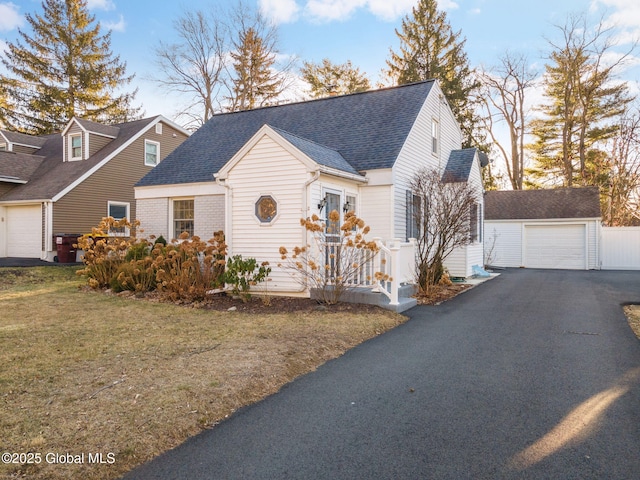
pixel 328 78
pixel 65 68
pixel 583 108
pixel 429 49
pixel 255 84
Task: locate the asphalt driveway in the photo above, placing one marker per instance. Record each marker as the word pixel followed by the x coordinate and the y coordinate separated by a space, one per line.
pixel 534 374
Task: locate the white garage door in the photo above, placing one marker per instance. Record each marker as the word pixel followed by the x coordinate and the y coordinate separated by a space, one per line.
pixel 555 246
pixel 24 231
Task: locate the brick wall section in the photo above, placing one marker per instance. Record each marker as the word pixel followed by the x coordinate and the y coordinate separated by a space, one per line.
pixel 209 213
pixel 153 214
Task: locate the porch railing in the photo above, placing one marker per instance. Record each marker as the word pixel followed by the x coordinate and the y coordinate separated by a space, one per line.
pixel 383 272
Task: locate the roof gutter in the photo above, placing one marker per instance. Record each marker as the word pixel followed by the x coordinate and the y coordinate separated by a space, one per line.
pixel 339 173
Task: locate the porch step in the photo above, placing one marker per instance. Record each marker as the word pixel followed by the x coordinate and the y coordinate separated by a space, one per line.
pixel 365 296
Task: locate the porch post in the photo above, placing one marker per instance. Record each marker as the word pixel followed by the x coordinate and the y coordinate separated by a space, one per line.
pixel 395 272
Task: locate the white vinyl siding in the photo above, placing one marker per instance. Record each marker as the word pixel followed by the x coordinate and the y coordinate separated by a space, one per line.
pixel 376 209
pixel 570 244
pixel 416 153
pixel 267 169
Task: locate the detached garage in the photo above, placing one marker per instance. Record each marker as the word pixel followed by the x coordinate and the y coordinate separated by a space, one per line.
pixel 556 228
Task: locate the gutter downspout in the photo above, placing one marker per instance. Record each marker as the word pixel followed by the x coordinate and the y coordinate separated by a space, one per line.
pixel 305 206
pixel 228 225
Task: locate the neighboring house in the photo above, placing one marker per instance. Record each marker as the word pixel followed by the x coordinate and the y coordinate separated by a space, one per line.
pixel 558 228
pixel 66 183
pixel 254 174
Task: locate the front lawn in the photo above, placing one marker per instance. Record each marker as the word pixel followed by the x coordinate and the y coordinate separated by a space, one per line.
pixel 83 373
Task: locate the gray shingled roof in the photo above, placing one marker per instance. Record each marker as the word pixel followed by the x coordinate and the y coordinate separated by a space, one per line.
pixel 459 165
pixel 23 139
pixel 99 128
pixel 18 166
pixel 541 204
pixel 367 130
pixel 53 175
pixel 319 153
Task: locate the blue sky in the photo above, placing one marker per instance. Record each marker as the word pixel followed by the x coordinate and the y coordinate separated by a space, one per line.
pixel 358 30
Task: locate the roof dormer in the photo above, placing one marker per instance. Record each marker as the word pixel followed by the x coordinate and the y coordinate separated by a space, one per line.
pixel 83 138
pixel 20 142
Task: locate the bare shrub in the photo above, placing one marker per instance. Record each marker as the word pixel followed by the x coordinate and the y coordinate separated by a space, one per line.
pixel 336 259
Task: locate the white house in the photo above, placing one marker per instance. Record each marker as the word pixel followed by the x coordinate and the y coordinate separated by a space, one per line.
pixel 254 174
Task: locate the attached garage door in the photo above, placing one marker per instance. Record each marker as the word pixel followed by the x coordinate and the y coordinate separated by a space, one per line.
pixel 555 246
pixel 24 231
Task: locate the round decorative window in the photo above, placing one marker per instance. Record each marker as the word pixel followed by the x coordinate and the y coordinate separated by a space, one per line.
pixel 266 209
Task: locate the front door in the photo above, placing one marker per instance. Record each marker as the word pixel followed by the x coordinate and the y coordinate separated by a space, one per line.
pixel 332 237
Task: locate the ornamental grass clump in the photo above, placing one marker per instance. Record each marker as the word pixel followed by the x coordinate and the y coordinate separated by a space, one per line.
pixel 337 259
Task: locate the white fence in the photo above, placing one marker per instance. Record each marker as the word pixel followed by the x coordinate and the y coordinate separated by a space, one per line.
pixel 620 248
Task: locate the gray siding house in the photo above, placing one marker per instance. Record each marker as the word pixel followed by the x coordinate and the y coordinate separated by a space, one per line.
pixel 67 182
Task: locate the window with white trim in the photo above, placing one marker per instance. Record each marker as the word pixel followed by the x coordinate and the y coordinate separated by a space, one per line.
pixel 151 153
pixel 183 217
pixel 119 211
pixel 413 214
pixel 3 147
pixel 75 143
pixel 475 223
pixel 435 136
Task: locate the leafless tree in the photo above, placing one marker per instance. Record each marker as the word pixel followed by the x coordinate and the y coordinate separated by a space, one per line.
pixel 446 217
pixel 196 64
pixel 621 191
pixel 504 100
pixel 203 64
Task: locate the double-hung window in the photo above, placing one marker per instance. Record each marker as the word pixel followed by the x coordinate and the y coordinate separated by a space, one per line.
pixel 151 153
pixel 183 215
pixel 475 223
pixel 76 147
pixel 435 136
pixel 413 215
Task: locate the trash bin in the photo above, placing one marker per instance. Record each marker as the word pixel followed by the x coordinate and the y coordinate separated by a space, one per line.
pixel 65 247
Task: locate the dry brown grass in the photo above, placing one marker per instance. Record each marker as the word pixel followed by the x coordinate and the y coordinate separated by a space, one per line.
pixel 633 317
pixel 83 372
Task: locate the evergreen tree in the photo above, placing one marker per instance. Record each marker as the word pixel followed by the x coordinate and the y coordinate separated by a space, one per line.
pixel 430 49
pixel 583 108
pixel 63 69
pixel 328 78
pixel 255 83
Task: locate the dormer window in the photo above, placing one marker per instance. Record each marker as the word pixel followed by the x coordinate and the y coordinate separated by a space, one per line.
pixel 3 147
pixel 76 147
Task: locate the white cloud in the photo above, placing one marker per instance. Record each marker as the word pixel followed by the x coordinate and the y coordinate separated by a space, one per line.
pixel 283 11
pixel 390 11
pixel 9 17
pixel 329 10
pixel 623 14
pixel 118 26
pixel 280 11
pixel 101 5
